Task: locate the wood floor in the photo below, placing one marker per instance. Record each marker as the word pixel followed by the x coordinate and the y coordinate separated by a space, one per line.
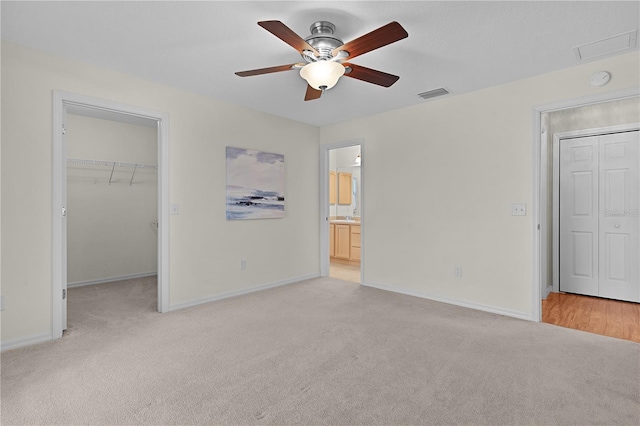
pixel 600 316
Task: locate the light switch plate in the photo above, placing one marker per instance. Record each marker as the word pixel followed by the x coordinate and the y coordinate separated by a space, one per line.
pixel 175 209
pixel 518 210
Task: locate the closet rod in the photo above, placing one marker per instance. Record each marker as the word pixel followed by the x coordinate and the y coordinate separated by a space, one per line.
pixel 85 162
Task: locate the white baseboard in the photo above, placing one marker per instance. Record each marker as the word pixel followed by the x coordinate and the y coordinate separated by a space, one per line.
pixel 546 291
pixel 471 305
pixel 19 342
pixel 110 280
pixel 194 302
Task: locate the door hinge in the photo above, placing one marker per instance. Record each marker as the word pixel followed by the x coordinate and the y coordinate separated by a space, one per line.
pixel 64 129
pixel 64 211
pixel 538 227
pixel 64 293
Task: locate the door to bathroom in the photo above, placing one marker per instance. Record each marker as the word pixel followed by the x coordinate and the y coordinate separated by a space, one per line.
pixel 342 227
pixel 345 205
pixel 599 216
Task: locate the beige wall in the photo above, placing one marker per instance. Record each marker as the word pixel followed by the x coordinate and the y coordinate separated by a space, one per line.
pixel 457 164
pixel 205 248
pixel 108 224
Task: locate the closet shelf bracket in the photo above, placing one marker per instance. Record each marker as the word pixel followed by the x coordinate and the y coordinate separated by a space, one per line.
pixel 133 174
pixel 112 169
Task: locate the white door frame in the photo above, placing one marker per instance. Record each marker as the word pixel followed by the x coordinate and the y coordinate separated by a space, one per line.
pixel 59 249
pixel 324 204
pixel 540 221
pixel 557 137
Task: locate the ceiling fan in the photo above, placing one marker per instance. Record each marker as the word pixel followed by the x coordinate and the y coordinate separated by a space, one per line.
pixel 325 55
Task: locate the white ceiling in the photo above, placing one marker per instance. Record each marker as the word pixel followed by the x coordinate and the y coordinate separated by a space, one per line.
pixel 197 46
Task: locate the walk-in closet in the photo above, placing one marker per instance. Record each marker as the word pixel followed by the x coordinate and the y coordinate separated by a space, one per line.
pixel 112 216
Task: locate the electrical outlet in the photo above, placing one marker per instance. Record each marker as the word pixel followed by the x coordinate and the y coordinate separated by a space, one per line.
pixel 518 210
pixel 243 265
pixel 457 271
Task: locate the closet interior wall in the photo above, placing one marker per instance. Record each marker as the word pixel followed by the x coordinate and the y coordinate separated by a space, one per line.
pixel 112 211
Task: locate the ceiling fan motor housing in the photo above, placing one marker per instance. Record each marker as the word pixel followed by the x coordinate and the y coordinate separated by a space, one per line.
pixel 323 40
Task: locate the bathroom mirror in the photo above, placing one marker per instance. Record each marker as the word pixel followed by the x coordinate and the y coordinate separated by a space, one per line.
pixel 344 182
pixel 347 191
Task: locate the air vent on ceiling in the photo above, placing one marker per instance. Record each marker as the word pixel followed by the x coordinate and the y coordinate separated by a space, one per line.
pixel 607 45
pixel 434 93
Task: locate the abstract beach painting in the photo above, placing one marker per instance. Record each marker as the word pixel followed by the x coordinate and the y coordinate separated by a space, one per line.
pixel 255 184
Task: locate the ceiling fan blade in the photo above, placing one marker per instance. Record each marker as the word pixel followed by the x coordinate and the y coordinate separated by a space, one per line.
pixel 371 76
pixel 266 70
pixel 312 93
pixel 287 35
pixel 384 35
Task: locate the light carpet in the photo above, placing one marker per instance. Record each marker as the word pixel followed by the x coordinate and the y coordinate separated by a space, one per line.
pixel 322 351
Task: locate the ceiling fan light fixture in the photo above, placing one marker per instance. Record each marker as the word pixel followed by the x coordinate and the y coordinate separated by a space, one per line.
pixel 322 75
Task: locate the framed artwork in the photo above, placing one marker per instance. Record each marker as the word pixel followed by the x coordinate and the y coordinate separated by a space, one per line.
pixel 255 184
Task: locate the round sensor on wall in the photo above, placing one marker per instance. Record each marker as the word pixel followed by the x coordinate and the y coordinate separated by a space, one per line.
pixel 600 78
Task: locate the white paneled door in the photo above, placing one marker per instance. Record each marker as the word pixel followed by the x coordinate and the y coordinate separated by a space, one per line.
pixel 579 215
pixel 599 216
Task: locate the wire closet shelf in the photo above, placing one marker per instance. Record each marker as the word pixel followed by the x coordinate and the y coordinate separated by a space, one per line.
pixel 112 164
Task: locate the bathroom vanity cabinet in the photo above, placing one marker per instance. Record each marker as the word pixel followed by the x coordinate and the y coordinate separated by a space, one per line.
pixel 344 241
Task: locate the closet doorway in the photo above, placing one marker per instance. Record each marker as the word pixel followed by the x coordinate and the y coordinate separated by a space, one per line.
pixel 110 200
pixel 593 255
pixel 112 216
